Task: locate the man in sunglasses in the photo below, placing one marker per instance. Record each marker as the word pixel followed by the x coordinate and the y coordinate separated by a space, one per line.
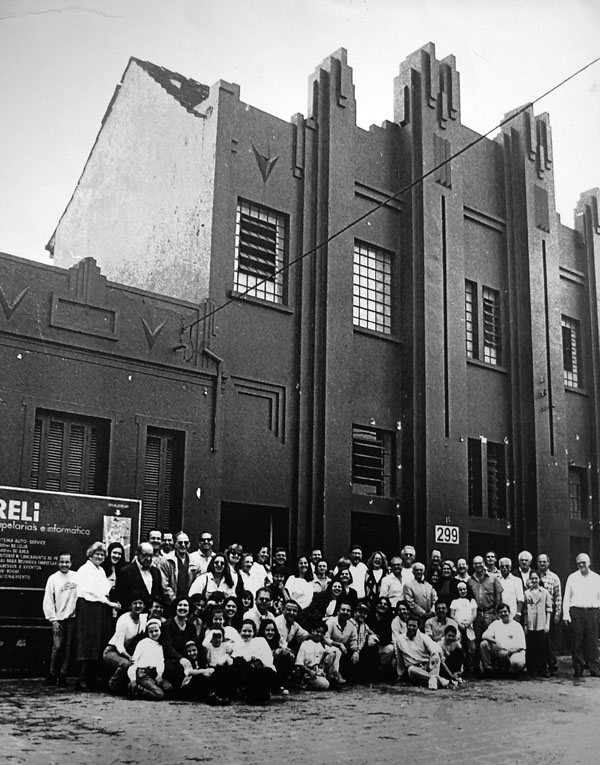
pixel 204 554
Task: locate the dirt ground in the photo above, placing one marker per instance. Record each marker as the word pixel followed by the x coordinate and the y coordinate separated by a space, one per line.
pixel 493 721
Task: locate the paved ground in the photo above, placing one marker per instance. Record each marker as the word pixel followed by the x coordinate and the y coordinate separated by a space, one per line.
pixel 553 721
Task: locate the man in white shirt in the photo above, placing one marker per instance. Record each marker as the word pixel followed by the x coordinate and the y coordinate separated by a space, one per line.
pixel 358 570
pixel 60 599
pixel 392 586
pixel 502 646
pixel 581 608
pixel 512 589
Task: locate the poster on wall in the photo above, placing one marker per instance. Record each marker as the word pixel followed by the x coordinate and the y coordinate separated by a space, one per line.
pixel 36 526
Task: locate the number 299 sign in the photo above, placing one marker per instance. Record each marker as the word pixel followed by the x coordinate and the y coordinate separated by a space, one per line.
pixel 447 535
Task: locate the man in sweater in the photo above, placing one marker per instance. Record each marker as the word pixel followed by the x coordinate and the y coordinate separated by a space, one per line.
pixel 60 599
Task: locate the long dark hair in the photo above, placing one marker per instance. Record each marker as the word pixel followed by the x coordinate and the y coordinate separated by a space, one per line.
pixel 275 641
pixel 106 563
pixel 210 569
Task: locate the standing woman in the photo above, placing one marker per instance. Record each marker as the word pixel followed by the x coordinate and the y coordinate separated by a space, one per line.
pixel 377 568
pixel 538 613
pixel 322 580
pixel 112 564
pixel 299 586
pixel 93 621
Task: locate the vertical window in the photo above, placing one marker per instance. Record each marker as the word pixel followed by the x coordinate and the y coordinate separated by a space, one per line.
pixel 372 288
pixel 486 479
pixel 163 481
pixel 372 460
pixel 496 480
pixel 260 245
pixel 571 352
pixel 577 493
pixel 474 477
pixel 483 324
pixel 69 454
pixel 492 346
pixel 471 332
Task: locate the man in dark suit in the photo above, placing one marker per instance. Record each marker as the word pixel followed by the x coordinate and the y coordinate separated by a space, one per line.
pixel 139 576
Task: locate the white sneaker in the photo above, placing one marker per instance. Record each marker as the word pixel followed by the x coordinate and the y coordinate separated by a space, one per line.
pixel 432 684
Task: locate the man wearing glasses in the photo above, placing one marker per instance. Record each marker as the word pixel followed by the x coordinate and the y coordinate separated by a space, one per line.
pixel 176 570
pixel 204 554
pixel 261 610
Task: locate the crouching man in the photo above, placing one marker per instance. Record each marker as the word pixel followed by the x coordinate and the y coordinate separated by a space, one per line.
pixel 418 657
pixel 502 648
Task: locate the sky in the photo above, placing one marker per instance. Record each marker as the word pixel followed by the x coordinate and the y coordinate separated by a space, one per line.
pixel 60 61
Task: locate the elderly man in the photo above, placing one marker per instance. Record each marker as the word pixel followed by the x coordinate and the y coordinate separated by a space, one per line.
pixel 581 608
pixel 550 581
pixel 420 596
pixel 502 647
pixel 408 555
pixel 512 589
pixel 487 592
pixel 140 576
pixel 524 560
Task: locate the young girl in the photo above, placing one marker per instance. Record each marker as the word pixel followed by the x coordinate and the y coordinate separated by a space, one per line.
pixel 146 671
pixel 538 612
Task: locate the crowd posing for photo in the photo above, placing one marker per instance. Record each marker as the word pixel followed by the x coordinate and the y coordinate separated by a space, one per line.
pixel 221 626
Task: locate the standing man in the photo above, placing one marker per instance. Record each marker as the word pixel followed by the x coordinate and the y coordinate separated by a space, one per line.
pixel 581 608
pixel 524 560
pixel 391 584
pixel 358 570
pixel 168 542
pixel 155 539
pixel 487 592
pixel 176 570
pixel 419 595
pixel 512 589
pixel 60 599
pixel 408 555
pixel 550 582
pixel 490 563
pixel 204 554
pixel 139 576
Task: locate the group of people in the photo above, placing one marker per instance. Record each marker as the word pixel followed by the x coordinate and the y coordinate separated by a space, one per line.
pixel 216 626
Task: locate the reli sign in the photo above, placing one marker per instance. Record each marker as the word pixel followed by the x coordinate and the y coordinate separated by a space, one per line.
pixel 36 526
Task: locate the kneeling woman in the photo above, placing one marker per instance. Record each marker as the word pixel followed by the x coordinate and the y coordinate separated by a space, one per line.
pixel 253 662
pixel 146 671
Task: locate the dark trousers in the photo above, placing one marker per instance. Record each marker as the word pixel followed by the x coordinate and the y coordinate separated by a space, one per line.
pixel 552 643
pixel 535 661
pixel 455 662
pixel 584 639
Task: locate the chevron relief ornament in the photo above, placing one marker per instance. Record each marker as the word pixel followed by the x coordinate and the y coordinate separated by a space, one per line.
pixel 151 334
pixel 265 164
pixel 8 307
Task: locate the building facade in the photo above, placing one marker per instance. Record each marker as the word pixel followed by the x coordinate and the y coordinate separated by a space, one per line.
pixel 258 367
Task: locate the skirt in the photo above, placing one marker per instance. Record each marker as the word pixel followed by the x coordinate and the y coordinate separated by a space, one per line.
pixel 94 628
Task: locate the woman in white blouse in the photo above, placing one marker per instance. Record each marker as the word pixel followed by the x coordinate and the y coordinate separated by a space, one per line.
pixel 299 587
pixel 93 616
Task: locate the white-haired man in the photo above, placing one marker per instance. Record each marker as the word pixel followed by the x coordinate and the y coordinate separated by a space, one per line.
pixel 581 608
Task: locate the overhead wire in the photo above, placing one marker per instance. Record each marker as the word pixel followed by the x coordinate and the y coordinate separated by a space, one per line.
pixel 390 198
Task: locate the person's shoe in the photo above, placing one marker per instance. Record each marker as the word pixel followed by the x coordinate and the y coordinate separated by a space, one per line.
pixel 214 700
pixel 81 685
pixel 432 684
pixel 62 681
pixel 50 680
